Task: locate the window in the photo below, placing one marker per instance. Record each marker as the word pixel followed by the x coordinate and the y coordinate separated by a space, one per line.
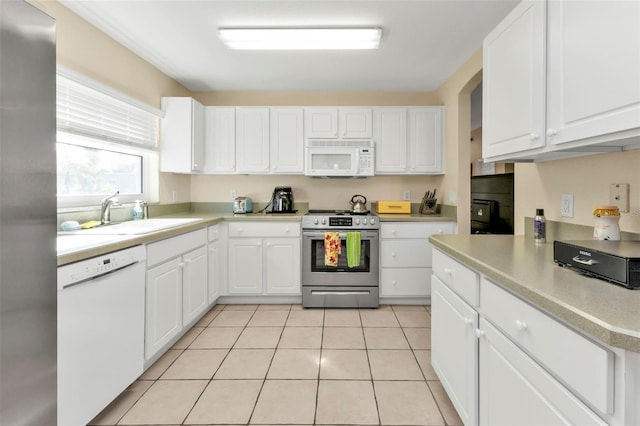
pixel 106 142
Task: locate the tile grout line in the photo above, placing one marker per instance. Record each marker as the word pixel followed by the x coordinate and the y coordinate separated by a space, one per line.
pixel 215 372
pixel 266 374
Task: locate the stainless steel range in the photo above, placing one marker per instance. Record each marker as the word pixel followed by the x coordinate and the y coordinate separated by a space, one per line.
pixel 340 270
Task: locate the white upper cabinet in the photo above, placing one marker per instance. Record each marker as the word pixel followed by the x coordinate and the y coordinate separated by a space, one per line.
pixel 513 82
pixel 220 140
pixel 321 122
pixel 252 139
pixel 355 123
pixel 554 87
pixel 287 140
pixel 390 136
pixel 182 136
pixel 426 140
pixel 409 140
pixel 334 122
pixel 593 75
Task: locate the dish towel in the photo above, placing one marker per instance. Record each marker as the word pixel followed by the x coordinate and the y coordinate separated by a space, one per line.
pixel 353 249
pixel 331 248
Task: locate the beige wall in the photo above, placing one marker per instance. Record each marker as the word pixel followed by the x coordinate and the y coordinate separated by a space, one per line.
pixel 316 98
pixel 456 97
pixel 540 185
pixel 83 48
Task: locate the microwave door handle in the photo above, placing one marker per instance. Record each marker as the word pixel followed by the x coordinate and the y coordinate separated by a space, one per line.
pixel 356 166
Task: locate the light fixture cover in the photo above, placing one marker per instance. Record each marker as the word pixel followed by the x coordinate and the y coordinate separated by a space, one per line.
pixel 301 38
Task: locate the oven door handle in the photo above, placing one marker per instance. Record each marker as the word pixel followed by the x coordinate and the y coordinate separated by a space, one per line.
pixel 364 235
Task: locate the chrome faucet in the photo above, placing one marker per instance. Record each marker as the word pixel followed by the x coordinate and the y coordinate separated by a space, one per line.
pixel 105 211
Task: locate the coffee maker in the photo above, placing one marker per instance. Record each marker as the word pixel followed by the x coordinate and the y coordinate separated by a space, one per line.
pixel 282 200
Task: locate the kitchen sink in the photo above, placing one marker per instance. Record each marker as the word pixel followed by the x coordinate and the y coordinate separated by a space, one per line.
pixel 73 241
pixel 134 227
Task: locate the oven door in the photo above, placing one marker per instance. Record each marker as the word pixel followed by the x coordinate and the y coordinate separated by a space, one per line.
pixel 316 273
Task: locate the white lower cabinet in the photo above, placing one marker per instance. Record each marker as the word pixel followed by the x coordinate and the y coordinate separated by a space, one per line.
pixel 176 281
pixel 405 257
pixel 264 258
pixel 514 389
pixel 504 362
pixel 217 270
pixel 454 349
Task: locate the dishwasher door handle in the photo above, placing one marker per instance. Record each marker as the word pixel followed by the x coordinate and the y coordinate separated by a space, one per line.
pixel 99 276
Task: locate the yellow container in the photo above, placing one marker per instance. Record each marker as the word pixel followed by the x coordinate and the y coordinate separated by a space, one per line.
pixel 401 207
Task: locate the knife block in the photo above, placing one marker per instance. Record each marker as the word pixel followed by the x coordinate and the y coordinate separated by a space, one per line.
pixel 428 206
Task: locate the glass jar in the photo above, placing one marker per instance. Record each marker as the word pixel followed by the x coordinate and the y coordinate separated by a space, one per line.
pixel 606 223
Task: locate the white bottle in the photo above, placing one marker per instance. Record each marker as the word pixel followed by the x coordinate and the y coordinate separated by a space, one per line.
pixel 137 211
pixel 540 227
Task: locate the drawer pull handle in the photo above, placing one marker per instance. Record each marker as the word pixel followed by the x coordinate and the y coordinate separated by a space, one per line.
pixel 522 325
pixel 393 282
pixel 479 333
pixel 448 271
pixel 468 321
pixel 393 254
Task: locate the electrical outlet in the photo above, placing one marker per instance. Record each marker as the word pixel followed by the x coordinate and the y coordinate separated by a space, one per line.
pixel 619 196
pixel 174 196
pixel 406 195
pixel 233 194
pixel 566 205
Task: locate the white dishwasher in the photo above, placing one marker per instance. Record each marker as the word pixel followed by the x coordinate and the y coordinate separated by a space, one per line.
pixel 100 331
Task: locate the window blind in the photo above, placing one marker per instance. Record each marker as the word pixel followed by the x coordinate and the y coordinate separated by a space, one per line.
pixel 92 113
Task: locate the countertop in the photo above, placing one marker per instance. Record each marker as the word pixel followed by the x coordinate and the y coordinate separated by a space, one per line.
pixel 124 241
pixel 608 312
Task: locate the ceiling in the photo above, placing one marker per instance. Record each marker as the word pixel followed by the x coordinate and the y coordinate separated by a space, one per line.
pixel 423 41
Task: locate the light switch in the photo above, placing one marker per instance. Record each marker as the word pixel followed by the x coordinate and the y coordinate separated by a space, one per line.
pixel 619 196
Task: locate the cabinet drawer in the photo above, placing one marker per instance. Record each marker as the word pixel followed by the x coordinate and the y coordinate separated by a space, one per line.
pixel 175 246
pixel 405 282
pixel 584 366
pixel 405 253
pixel 456 276
pixel 414 230
pixel 264 229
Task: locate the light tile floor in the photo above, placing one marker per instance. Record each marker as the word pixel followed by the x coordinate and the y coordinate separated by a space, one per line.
pixel 284 365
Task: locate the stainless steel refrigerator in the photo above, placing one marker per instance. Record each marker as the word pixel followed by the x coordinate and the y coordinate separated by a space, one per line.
pixel 27 215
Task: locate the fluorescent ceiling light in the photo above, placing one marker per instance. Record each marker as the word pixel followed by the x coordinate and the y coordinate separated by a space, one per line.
pixel 302 38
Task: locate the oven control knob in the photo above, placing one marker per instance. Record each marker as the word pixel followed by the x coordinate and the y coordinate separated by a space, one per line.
pixel 315 220
pixel 357 221
pixel 324 221
pixel 372 221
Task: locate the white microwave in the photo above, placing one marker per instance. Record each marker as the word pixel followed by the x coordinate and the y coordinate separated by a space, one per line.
pixel 339 157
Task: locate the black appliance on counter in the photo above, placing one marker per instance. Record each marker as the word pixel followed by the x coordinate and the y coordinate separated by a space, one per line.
pixel 614 261
pixel 282 200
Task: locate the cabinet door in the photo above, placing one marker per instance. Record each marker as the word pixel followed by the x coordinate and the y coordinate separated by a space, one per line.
pixel 513 88
pixel 390 136
pixel 245 266
pixel 593 76
pixel 286 140
pixel 282 265
pixel 198 132
pixel 454 349
pixel 515 390
pixel 220 140
pixel 426 140
pixel 181 136
pixel 321 122
pixel 194 284
pixel 252 139
pixel 215 271
pixel 355 123
pixel 164 305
